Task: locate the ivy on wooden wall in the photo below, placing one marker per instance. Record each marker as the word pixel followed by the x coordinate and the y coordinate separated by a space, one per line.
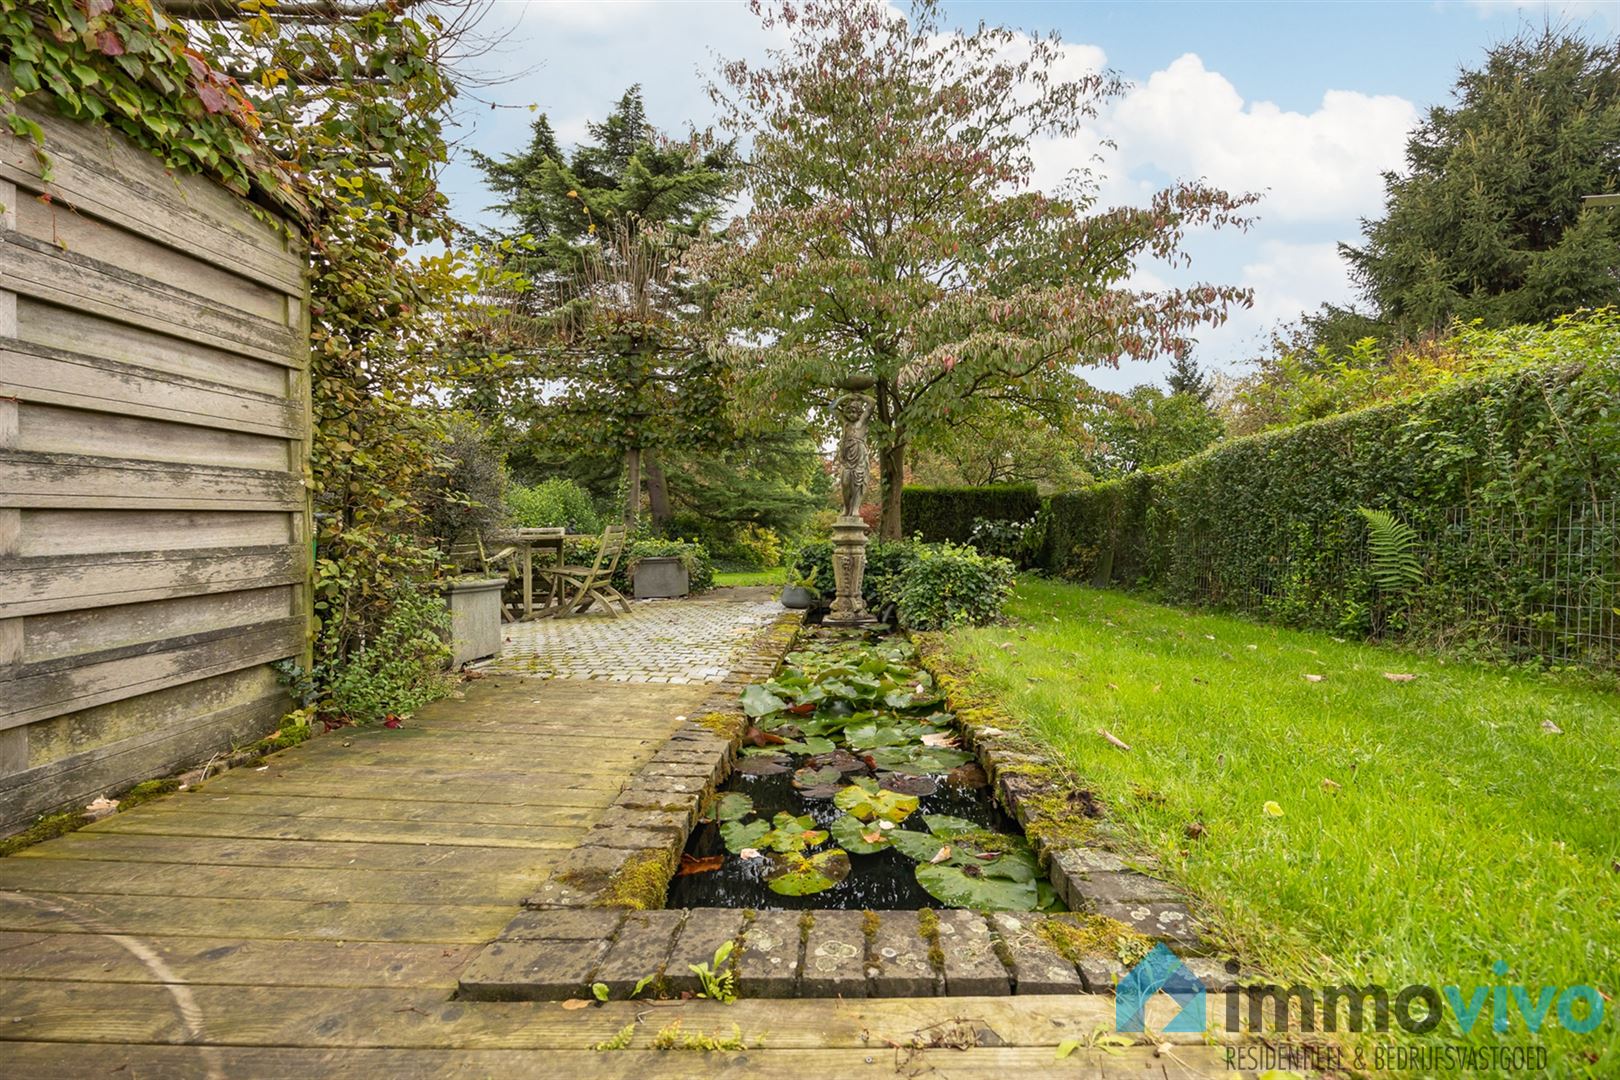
pixel 336 121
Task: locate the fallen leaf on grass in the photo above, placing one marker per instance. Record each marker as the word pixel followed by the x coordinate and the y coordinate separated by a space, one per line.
pixel 692 864
pixel 1329 785
pixel 1315 678
pixel 1399 676
pixel 1272 809
pixel 1551 728
pixel 1194 830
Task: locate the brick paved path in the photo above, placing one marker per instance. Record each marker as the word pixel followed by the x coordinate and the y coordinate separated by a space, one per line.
pixel 660 641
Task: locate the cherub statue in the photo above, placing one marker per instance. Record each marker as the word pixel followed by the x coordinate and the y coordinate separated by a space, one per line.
pixel 855 410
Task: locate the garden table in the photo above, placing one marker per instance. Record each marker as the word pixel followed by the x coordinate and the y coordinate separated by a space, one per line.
pixel 549 544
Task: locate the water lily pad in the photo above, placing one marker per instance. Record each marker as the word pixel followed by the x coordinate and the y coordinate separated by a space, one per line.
pixel 789 833
pixel 860 837
pixel 907 785
pixel 811 776
pixel 740 835
pixel 810 744
pixel 797 875
pixel 870 736
pixel 1016 865
pixel 842 760
pixel 948 827
pixel 758 701
pixel 820 791
pixel 956 886
pixel 762 765
pixel 865 800
pixel 734 806
pixel 916 845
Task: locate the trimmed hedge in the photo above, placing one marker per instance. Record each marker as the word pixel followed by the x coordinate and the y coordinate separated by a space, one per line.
pixel 1490 473
pixel 933 586
pixel 939 514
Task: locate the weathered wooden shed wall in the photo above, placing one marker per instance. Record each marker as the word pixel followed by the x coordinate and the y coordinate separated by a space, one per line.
pixel 154 519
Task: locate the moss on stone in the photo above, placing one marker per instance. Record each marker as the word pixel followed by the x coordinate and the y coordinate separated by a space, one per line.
pixel 146 791
pixel 928 927
pixel 807 922
pixel 1077 936
pixel 870 921
pixel 729 726
pixel 640 883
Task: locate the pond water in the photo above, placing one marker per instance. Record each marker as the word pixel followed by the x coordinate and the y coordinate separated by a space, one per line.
pixel 852 793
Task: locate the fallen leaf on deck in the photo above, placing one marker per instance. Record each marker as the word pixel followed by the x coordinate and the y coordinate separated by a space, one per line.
pixel 576 1003
pixel 692 864
pixel 1399 676
pixel 100 807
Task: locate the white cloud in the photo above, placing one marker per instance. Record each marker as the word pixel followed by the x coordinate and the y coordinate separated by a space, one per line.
pixel 1187 121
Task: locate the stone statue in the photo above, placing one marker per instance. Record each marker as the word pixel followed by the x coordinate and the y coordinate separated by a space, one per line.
pixel 849 531
pixel 855 410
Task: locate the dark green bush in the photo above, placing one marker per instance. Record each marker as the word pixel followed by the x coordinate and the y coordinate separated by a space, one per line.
pixel 947 514
pixel 554 502
pixel 1490 474
pixel 932 585
pixel 948 585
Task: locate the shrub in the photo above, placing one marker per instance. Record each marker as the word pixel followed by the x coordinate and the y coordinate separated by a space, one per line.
pixel 555 502
pixel 1009 540
pixel 466 495
pixel 947 585
pixel 939 514
pixel 1504 480
pixel 932 585
pixel 397 670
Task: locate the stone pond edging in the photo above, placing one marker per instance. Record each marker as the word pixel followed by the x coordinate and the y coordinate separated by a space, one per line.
pixel 599 919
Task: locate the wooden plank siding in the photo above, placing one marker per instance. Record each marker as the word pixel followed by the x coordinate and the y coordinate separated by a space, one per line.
pixel 154 445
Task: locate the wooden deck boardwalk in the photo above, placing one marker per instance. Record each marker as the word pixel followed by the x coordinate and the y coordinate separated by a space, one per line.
pixel 310 918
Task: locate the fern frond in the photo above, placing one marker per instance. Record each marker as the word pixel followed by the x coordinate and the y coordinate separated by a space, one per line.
pixel 1392 550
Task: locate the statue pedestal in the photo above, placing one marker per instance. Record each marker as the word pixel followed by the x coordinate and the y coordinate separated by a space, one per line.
pixel 849 568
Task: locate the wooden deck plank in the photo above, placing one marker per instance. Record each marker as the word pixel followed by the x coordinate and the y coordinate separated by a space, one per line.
pixel 213 801
pixel 231 961
pixel 251 826
pixel 88 876
pixel 277 1016
pixel 189 850
pixel 48 1061
pixel 375 786
pixel 334 920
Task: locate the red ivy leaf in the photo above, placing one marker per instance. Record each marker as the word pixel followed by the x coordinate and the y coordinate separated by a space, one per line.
pixel 99 7
pixel 110 43
pixel 212 99
pixel 199 69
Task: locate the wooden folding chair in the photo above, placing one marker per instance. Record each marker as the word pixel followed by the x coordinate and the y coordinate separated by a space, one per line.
pixel 473 557
pixel 581 586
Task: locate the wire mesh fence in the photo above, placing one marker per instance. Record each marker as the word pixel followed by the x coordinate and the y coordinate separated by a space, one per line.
pixel 1497 582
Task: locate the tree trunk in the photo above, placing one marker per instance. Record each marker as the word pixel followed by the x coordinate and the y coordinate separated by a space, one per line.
pixel 632 487
pixel 657 493
pixel 892 472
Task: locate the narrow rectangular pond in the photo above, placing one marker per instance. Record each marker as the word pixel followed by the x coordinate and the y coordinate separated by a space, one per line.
pixel 853 793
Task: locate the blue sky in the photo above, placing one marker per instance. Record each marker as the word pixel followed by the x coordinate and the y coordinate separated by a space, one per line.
pixel 1307 103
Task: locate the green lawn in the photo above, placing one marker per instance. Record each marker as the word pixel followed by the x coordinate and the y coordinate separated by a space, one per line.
pixel 777 575
pixel 1428 828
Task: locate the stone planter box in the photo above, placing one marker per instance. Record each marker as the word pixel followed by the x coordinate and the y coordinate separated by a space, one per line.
pixel 661 577
pixel 475 618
